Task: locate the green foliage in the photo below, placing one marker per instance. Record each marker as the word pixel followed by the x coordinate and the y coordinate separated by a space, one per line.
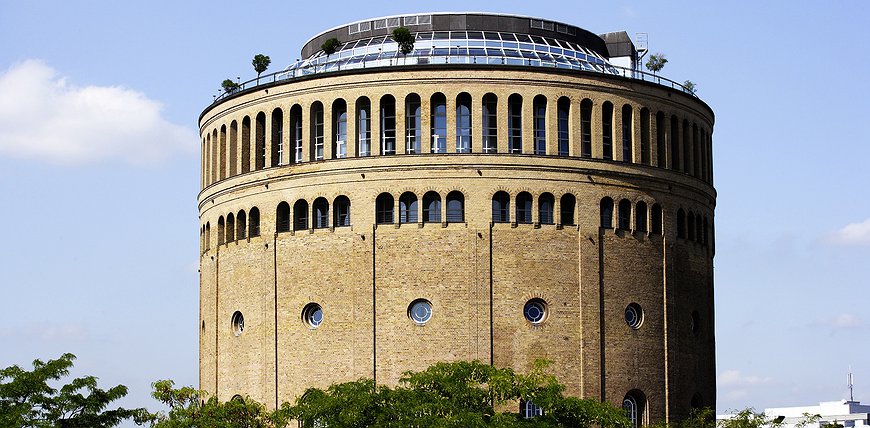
pixel 656 62
pixel 460 394
pixel 405 39
pixel 27 400
pixel 698 418
pixel 749 418
pixel 229 86
pixel 330 46
pixel 689 86
pixel 261 63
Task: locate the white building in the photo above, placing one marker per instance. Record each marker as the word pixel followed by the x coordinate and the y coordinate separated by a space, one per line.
pixel 846 413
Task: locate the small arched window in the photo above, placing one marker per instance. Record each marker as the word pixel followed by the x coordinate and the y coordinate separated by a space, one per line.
pixel 207 235
pixel 317 137
pixel 300 215
pixel 681 223
pixel 524 207
pixel 606 213
pixel 661 157
pixel 546 205
pixel 339 128
pixel 566 208
pixel 607 130
pixel 282 217
pixel 384 208
pixel 254 222
pixel 241 225
pixel 640 217
pixel 586 128
pixel 413 122
pixel 296 129
pixel 341 208
pixel 644 136
pixel 231 227
pixel 431 207
pixel 627 133
pixel 320 211
pixel 463 124
pixel 438 123
pixel 408 208
pixel 260 142
pixel 656 219
pixel 222 150
pixel 363 126
pixel 501 203
pixel 490 123
pixel 455 207
pixel 564 129
pixel 539 122
pixel 691 226
pixel 634 404
pixel 624 215
pixel 277 137
pixel 246 144
pixel 220 230
pixel 515 124
pixel 388 125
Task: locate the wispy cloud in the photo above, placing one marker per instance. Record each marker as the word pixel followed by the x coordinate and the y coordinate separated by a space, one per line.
pixel 842 321
pixel 852 234
pixel 46 118
pixel 736 378
pixel 46 332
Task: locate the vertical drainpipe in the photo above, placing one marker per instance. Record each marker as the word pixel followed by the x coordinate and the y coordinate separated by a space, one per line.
pixel 601 325
pixel 491 327
pixel 217 295
pixel 275 270
pixel 374 312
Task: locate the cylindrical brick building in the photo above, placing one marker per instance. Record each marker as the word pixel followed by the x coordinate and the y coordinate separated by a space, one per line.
pixel 503 192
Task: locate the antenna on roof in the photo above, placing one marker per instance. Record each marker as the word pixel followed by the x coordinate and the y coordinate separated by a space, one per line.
pixel 850 380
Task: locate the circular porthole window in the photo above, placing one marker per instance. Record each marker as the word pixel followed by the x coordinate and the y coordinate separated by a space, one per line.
pixel 312 315
pixel 535 311
pixel 633 315
pixel 420 311
pixel 238 323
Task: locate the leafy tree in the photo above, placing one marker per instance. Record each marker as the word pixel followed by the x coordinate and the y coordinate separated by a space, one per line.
pixel 229 86
pixel 749 418
pixel 405 39
pixel 27 400
pixel 261 63
pixel 656 62
pixel 689 86
pixel 698 418
pixel 330 46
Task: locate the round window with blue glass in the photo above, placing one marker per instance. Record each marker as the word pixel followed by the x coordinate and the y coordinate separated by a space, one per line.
pixel 420 311
pixel 535 311
pixel 312 315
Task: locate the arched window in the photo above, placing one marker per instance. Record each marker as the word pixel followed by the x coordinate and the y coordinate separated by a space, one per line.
pixel 501 203
pixel 463 124
pixel 696 152
pixel 384 208
pixel 431 207
pixel 607 213
pixel 215 163
pixel 277 144
pixel 675 144
pixel 539 122
pixel 254 222
pixel 222 150
pixel 408 208
pixel 607 130
pixel 455 207
pixel 490 123
pixel 282 217
pixel 644 136
pixel 234 141
pixel 691 226
pixel 627 136
pixel 564 113
pixel 260 142
pixel 220 230
pixel 566 207
pixel 363 126
pixel 640 217
pixel 634 404
pixel 529 410
pixel 624 215
pixel 320 211
pixel 515 124
pixel 681 223
pixel 412 124
pixel 296 128
pixel 524 207
pixel 339 128
pixel 341 207
pixel 656 219
pixel 546 205
pixel 207 235
pixel 246 144
pixel 316 120
pixel 231 227
pixel 661 159
pixel 388 125
pixel 586 128
pixel 699 228
pixel 300 215
pixel 438 123
pixel 706 231
pixel 687 147
pixel 241 225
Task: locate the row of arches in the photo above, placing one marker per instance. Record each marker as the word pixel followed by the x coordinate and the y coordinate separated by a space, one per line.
pixel 233 227
pixel 412 210
pixel 646 218
pixel 693 226
pixel 316 216
pixel 519 124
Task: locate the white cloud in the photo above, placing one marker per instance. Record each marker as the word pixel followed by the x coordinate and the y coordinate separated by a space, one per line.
pixel 736 378
pixel 841 321
pixel 44 117
pixel 46 332
pixel 852 234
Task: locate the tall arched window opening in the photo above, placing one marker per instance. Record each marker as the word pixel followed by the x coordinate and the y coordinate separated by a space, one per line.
pixel 300 215
pixel 699 228
pixel 388 125
pixel 296 129
pixel 339 128
pixel 524 208
pixel 606 213
pixel 215 167
pixel 644 136
pixel 254 222
pixel 463 123
pixel 655 219
pixel 282 217
pixel 624 215
pixel 640 217
pixel 234 147
pixel 220 231
pixel 607 130
pixel 246 144
pixel 627 133
pixel 439 123
pixel 260 142
pixel 539 122
pixel 277 143
pixel 207 236
pixel 634 404
pixel 431 207
pixel 412 124
pixel 586 128
pixel 384 208
pixel 320 210
pixel 681 223
pixel 455 207
pixel 317 136
pixel 691 225
pixel 687 147
pixel 564 128
pixel 566 209
pixel 364 126
pixel 241 225
pixel 231 227
pixel 341 208
pixel 706 231
pixel 661 159
pixel 408 208
pixel 515 124
pixel 546 205
pixel 490 123
pixel 222 152
pixel 501 204
pixel 696 152
pixel 675 144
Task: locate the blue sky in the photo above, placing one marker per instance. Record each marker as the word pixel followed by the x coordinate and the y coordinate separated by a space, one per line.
pixel 99 174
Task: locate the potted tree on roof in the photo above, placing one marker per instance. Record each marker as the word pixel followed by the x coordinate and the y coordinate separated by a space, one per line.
pixel 405 39
pixel 261 63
